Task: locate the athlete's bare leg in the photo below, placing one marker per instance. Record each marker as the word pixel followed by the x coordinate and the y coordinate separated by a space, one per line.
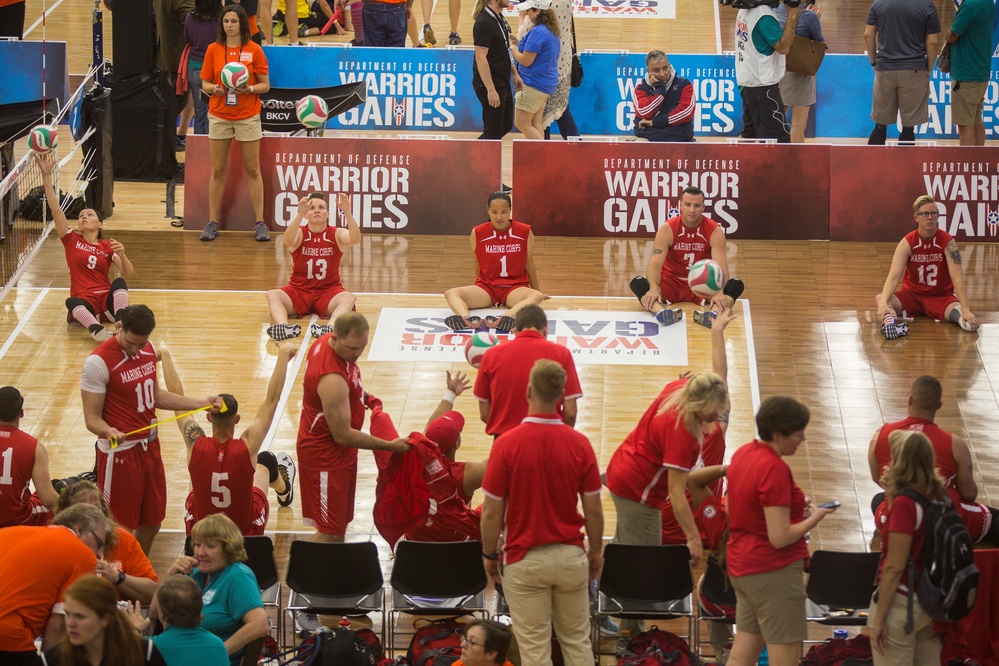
pixel 279 305
pixel 893 302
pixel 460 299
pixel 522 296
pixel 261 479
pixel 341 304
pixel 145 534
pixel 219 149
pixel 250 150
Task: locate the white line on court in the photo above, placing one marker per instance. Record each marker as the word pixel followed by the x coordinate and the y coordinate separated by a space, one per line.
pixel 38 21
pixel 289 382
pixel 718 46
pixel 754 380
pixel 24 320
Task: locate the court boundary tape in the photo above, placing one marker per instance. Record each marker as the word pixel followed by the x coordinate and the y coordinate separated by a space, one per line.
pixel 754 380
pixel 23 322
pixel 289 383
pixel 718 39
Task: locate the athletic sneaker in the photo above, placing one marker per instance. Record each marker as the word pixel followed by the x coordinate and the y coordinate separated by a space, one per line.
pixel 895 330
pixel 279 28
pixel 704 317
pixel 459 323
pixel 284 331
pixel 505 324
pixel 609 628
pixel 428 35
pixel 210 232
pixel 260 232
pixel 318 330
pixel 306 624
pixel 287 471
pixel 101 334
pixel 669 317
pixel 454 39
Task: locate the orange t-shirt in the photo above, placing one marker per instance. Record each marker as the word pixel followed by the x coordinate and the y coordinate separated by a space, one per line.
pixel 216 57
pixel 37 566
pixel 128 557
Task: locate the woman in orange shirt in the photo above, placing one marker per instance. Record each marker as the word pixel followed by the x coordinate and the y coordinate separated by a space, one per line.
pixel 234 114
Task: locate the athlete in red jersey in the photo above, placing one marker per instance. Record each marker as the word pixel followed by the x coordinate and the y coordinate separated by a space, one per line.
pixel 953 461
pixel 23 459
pixel 329 431
pixel 93 296
pixel 120 394
pixel 316 251
pixel 230 475
pixel 679 244
pixel 504 270
pixel 929 264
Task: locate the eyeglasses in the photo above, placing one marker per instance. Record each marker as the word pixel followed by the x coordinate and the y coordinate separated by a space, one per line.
pixel 470 642
pixel 100 541
pixel 929 213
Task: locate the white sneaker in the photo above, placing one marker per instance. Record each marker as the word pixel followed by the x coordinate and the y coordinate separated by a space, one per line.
pixel 287 470
pixel 101 335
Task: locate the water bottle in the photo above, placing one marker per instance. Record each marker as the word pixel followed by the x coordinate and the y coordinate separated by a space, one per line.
pixel 764 658
pixel 841 634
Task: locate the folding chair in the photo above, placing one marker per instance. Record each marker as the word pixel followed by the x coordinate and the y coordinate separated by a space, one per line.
pixel 840 586
pixel 717 590
pixel 437 579
pixel 260 554
pixel 644 582
pixel 334 579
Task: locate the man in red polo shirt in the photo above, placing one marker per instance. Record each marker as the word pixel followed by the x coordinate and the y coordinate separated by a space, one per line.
pixel 504 371
pixel 534 477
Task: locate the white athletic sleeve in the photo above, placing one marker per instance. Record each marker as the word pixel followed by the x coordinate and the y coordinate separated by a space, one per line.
pixel 95 376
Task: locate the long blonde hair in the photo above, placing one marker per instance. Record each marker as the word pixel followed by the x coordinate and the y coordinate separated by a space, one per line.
pixel 913 464
pixel 702 394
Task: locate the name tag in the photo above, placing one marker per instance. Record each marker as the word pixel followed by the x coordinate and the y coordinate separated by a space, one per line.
pixel 230 98
pixel 207 597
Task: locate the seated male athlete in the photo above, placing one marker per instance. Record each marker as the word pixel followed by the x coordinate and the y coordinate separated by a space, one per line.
pixel 504 267
pixel 680 243
pixel 23 460
pixel 230 475
pixel 316 251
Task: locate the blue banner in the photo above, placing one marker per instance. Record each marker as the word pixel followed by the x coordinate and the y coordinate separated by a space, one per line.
pixel 21 64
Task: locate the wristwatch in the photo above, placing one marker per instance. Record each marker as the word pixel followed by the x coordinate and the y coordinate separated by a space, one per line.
pixel 121 578
pixel 495 555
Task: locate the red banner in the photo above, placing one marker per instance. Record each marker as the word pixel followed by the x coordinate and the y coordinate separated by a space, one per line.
pixel 629 189
pixel 872 191
pixel 396 186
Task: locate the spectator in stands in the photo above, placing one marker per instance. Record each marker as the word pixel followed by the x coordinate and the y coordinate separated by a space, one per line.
pixel 798 90
pixel 557 105
pixel 98 632
pixel 234 114
pixel 894 640
pixel 183 641
pixel 902 38
pixel 25 461
pixel 93 297
pixel 170 17
pixel 766 547
pixel 537 58
pixel 484 643
pixel 123 563
pixel 970 38
pixel 663 102
pixel 536 474
pixel 761 45
pixel 37 566
pixel 201 27
pixel 234 612
pixel 491 70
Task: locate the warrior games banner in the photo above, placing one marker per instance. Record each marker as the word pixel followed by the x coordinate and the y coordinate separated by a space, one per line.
pixel 396 186
pixel 964 181
pixel 628 190
pixel 654 9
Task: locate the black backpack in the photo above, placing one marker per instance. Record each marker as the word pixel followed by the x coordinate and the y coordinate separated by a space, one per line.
pixel 337 646
pixel 948 584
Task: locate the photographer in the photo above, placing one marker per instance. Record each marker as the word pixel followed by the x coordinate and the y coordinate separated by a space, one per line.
pixel 761 45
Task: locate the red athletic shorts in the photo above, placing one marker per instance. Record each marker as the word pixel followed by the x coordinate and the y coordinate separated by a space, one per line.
pixel 134 484
pixel 918 304
pixel 36 515
pixel 98 305
pixel 261 511
pixel 328 498
pixel 676 290
pixel 499 293
pixel 305 302
pixel 977 518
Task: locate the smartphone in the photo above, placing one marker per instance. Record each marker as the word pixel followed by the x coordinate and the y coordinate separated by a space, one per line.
pixel 829 505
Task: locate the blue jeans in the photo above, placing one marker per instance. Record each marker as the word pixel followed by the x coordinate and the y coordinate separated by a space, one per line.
pixel 200 103
pixel 384 24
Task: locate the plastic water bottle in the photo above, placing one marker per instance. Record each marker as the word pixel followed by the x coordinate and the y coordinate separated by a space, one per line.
pixel 841 634
pixel 764 658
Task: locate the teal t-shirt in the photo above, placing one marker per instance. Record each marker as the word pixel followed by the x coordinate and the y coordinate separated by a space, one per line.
pixel 971 55
pixel 767 33
pixel 181 646
pixel 230 595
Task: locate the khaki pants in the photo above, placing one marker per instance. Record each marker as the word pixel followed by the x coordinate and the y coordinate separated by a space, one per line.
pixel 639 525
pixel 550 587
pixel 920 648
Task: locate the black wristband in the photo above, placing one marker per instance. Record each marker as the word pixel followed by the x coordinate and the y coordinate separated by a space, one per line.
pixel 495 555
pixel 121 578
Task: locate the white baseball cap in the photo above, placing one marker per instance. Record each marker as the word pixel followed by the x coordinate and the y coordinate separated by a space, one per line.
pixel 533 4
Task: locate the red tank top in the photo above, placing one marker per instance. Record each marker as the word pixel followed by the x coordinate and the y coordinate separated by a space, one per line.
pixel 222 480
pixel 502 256
pixel 17 459
pixel 689 246
pixel 315 442
pixel 927 271
pixel 88 265
pixel 316 264
pixel 130 399
pixel 942 442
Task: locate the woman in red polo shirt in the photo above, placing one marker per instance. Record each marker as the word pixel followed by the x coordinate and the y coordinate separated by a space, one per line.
pixel 234 114
pixel 766 547
pixel 913 467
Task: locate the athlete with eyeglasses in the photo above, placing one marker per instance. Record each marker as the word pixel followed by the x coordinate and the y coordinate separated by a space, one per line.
pixel 928 262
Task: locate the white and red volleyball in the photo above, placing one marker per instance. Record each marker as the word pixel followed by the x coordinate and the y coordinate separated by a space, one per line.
pixel 478 344
pixel 43 138
pixel 706 278
pixel 312 111
pixel 235 75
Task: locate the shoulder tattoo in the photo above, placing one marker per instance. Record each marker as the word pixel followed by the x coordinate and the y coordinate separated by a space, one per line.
pixel 955 254
pixel 192 431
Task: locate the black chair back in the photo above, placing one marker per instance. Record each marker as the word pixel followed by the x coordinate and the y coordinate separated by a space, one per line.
pixel 716 587
pixel 450 569
pixel 334 569
pixel 646 573
pixel 842 580
pixel 260 554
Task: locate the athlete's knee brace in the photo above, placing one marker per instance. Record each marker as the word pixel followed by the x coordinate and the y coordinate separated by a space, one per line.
pixel 118 283
pixel 734 288
pixel 269 460
pixel 639 286
pixel 73 303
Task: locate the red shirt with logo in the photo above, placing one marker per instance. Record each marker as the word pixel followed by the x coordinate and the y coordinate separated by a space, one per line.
pixel 17 460
pixel 927 271
pixel 222 480
pixel 689 246
pixel 89 264
pixel 502 255
pixel 128 384
pixel 316 445
pixel 316 262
